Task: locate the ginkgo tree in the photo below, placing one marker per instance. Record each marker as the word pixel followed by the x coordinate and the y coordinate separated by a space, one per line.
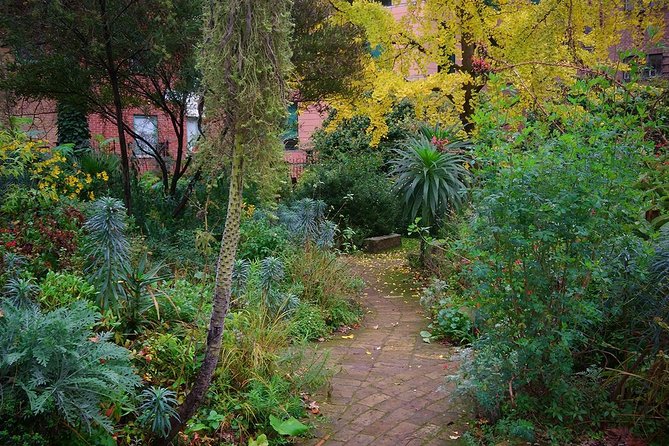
pixel 441 52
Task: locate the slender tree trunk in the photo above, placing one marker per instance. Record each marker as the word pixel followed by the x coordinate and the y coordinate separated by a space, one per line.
pixel 118 106
pixel 467 46
pixel 179 130
pixel 181 207
pixel 222 291
pixel 423 248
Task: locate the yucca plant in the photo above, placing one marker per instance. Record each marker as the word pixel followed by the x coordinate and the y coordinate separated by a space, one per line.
pixel 107 250
pixel 137 282
pixel 20 291
pixel 430 181
pixel 157 409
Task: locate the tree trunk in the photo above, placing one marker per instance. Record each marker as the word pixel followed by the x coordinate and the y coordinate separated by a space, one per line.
pixel 118 105
pixel 181 207
pixel 179 131
pixel 221 302
pixel 467 46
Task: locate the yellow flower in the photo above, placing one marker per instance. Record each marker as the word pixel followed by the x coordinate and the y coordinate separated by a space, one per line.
pixel 91 196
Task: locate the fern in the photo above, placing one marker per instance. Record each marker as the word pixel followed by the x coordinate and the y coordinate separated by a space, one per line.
pixel 56 364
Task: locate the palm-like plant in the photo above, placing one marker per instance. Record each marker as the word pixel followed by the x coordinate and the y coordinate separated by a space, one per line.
pixel 431 181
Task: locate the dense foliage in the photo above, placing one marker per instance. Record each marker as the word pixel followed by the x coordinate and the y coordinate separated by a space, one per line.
pixel 105 337
pixel 358 192
pixel 556 268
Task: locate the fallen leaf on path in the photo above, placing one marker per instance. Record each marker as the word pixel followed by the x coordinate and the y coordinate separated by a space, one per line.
pixel 313 408
pixel 348 336
pixel 376 327
pixel 453 437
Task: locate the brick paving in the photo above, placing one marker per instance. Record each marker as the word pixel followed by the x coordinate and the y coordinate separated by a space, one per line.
pixel 389 387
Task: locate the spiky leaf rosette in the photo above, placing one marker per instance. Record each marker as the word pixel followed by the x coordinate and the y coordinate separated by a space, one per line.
pixel 429 181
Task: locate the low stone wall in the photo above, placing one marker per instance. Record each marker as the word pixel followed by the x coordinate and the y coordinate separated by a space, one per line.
pixel 382 243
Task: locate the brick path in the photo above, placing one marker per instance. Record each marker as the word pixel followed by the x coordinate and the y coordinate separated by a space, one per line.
pixel 390 387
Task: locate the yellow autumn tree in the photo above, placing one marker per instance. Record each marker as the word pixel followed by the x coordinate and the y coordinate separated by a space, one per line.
pixel 441 52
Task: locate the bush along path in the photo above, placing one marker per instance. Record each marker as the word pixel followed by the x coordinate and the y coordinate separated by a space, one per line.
pixel 389 387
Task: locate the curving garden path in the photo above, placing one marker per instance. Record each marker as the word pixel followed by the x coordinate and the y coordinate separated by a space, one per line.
pixel 389 387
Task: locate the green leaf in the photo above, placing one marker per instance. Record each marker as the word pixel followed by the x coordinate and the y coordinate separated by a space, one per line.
pixel 426 335
pixel 260 441
pixel 291 426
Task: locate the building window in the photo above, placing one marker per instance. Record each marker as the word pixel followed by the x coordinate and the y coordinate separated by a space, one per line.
pixel 192 131
pixel 653 66
pixel 146 128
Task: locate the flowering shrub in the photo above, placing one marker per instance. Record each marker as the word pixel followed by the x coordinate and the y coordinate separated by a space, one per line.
pixel 47 170
pixel 39 186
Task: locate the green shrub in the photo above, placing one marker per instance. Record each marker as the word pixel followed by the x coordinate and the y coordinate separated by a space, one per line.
pixel 451 324
pixel 274 396
pixel 45 234
pixel 55 366
pixel 180 300
pixel 324 280
pixel 359 194
pixel 169 359
pixel 308 323
pixel 58 289
pixel 552 262
pixel 260 239
pixel 449 321
pixel 343 312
